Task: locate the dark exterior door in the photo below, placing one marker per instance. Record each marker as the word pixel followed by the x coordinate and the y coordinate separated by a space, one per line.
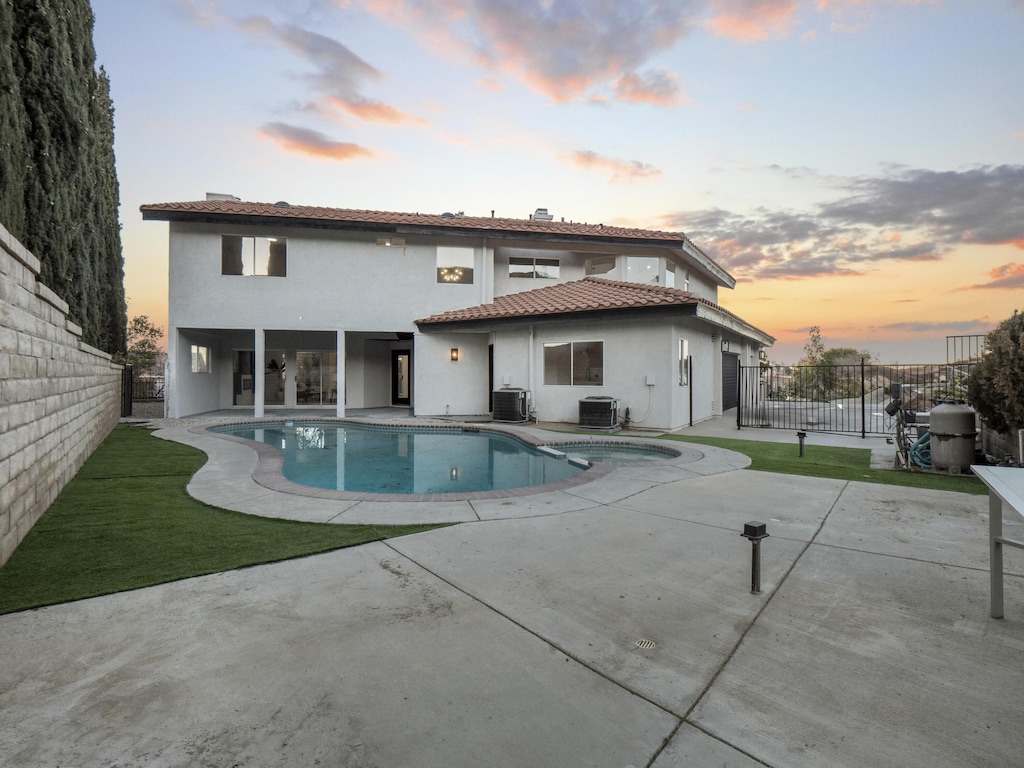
pixel 401 377
pixel 730 380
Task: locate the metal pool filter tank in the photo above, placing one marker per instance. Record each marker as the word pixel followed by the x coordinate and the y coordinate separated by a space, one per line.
pixel 953 432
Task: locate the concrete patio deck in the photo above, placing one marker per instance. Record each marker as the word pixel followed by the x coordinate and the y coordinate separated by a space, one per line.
pixel 512 639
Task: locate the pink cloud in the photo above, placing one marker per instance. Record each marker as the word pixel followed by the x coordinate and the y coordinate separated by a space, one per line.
pixel 660 88
pixel 338 75
pixel 374 111
pixel 562 50
pixel 752 20
pixel 305 141
pixel 1007 276
pixel 620 170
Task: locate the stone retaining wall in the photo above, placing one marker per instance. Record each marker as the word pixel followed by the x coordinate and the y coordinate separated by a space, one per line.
pixel 59 397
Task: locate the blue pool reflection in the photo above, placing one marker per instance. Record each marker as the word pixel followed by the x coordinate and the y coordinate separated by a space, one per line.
pixel 408 461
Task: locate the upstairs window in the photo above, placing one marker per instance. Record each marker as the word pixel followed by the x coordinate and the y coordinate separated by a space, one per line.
pixel 528 267
pixel 642 269
pixel 600 265
pixel 454 265
pixel 254 256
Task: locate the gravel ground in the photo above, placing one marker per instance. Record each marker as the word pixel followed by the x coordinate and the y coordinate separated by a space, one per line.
pixel 147 409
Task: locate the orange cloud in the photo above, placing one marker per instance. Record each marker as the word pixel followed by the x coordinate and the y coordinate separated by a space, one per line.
pixel 375 111
pixel 660 88
pixel 752 20
pixel 621 170
pixel 305 141
pixel 1007 276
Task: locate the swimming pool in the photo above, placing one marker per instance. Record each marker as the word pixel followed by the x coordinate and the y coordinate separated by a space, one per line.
pixel 387 460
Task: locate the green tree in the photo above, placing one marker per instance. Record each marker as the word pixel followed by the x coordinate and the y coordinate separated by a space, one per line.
pixel 814 349
pixel 143 349
pixel 14 161
pixel 58 184
pixel 827 373
pixel 995 386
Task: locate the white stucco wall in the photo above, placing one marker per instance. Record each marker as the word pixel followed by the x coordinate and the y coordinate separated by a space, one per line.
pixel 635 352
pixel 447 387
pixel 344 284
pixel 334 280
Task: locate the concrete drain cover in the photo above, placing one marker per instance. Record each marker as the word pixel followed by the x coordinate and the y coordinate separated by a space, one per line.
pixel 645 644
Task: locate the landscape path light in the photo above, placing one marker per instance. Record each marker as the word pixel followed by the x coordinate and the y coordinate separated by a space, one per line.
pixel 755 531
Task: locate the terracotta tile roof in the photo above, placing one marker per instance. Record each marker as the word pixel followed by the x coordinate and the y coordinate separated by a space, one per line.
pixel 591 294
pixel 385 221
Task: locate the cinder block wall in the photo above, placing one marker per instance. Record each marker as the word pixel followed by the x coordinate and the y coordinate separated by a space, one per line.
pixel 59 397
pixel 1000 444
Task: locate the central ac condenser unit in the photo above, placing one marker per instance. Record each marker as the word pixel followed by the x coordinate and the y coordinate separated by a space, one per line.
pixel 511 405
pixel 599 412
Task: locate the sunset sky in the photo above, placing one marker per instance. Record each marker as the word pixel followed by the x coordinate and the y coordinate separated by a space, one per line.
pixel 854 164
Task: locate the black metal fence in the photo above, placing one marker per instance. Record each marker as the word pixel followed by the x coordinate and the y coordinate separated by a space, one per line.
pixel 136 386
pixel 842 398
pixel 147 387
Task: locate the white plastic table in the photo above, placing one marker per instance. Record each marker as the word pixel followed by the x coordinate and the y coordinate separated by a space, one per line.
pixel 1005 489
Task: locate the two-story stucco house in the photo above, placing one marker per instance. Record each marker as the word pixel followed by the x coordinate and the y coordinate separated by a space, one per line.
pixel 286 306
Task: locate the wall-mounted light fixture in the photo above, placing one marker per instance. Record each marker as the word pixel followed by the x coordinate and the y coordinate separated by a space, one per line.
pixel 725 345
pixel 455 354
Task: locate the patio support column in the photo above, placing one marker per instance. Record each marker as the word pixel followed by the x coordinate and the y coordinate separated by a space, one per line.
pixel 340 375
pixel 259 380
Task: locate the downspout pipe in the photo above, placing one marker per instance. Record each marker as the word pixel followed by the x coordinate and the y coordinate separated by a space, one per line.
pixel 530 367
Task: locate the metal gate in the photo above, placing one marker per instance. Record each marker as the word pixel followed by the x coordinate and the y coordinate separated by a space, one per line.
pixel 842 398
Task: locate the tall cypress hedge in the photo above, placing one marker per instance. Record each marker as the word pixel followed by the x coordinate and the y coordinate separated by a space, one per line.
pixel 58 184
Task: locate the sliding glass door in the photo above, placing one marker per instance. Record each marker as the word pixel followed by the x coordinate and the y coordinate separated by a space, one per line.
pixel 316 378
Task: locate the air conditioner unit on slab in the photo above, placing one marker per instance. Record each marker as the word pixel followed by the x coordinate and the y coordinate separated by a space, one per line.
pixel 511 405
pixel 599 412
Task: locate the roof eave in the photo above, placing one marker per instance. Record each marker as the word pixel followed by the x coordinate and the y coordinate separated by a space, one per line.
pixel 249 219
pixel 727 320
pixel 724 279
pixel 591 315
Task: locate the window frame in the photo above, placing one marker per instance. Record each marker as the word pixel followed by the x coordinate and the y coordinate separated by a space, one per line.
pixel 684 362
pixel 559 377
pixel 452 268
pixel 197 353
pixel 243 260
pixel 534 263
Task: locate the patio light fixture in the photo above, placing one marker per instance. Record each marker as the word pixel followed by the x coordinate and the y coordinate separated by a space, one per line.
pixel 755 531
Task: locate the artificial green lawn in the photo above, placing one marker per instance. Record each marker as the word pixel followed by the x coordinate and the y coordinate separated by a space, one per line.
pixel 126 521
pixel 834 462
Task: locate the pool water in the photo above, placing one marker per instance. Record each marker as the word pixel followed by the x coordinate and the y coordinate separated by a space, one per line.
pixel 369 459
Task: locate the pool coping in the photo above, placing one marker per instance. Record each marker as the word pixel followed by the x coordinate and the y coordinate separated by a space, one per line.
pixel 268 470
